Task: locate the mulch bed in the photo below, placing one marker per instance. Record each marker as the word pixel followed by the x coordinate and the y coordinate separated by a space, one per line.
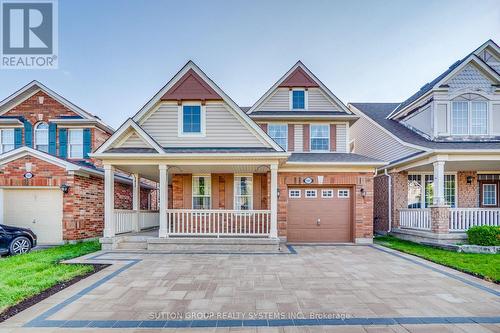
pixel 23 305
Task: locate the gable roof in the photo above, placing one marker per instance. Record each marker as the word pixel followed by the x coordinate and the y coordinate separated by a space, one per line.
pixel 234 108
pixel 191 86
pixel 299 72
pixel 378 112
pixel 32 88
pixel 453 69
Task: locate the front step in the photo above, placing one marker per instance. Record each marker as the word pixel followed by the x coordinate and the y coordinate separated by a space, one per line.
pixel 233 245
pixel 128 245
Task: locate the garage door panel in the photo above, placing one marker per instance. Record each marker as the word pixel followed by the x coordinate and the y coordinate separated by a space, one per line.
pixel 334 216
pixel 37 209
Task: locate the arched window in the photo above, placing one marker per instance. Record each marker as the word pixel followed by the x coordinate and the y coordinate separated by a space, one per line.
pixel 42 137
pixel 469 115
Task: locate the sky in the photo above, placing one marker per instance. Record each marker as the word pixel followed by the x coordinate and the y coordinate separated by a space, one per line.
pixel 115 55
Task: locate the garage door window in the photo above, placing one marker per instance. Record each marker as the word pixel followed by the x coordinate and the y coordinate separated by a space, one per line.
pixel 6 140
pixel 327 193
pixel 294 194
pixel 243 192
pixel 311 193
pixel 343 193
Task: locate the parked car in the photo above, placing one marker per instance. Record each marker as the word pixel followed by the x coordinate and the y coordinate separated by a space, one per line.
pixel 15 240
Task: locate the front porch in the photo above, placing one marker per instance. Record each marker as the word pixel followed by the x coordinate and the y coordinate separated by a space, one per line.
pixel 222 204
pixel 438 200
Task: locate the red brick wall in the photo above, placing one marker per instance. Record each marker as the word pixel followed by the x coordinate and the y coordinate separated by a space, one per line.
pixel 381 203
pixel 399 195
pixel 363 210
pixel 467 193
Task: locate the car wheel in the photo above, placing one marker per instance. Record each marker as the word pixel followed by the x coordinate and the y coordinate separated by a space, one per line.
pixel 20 245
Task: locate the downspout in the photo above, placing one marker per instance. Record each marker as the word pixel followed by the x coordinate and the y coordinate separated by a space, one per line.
pixel 389 206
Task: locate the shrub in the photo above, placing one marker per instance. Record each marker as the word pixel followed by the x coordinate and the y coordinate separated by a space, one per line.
pixel 484 235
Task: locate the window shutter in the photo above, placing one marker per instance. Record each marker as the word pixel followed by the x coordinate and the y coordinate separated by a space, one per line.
pixel 87 142
pixel 18 137
pixel 291 137
pixel 333 137
pixel 52 138
pixel 28 134
pixel 306 137
pixel 63 143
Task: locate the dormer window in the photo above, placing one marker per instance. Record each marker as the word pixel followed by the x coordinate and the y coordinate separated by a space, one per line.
pixel 469 117
pixel 42 137
pixel 298 99
pixel 191 120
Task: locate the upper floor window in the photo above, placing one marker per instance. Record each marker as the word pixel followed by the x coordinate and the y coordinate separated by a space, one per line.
pixel 243 193
pixel 320 137
pixel 469 117
pixel 42 137
pixel 298 99
pixel 191 120
pixel 279 133
pixel 201 192
pixel 6 140
pixel 75 141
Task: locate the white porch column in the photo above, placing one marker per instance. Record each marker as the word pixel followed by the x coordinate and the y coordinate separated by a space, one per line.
pixel 136 199
pixel 438 183
pixel 163 201
pixel 109 200
pixel 274 201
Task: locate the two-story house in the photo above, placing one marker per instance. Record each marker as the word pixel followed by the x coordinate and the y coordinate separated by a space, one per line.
pixel 279 171
pixel 48 182
pixel 443 149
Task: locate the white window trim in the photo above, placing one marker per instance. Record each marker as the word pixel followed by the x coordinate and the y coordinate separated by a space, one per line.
pixel 340 190
pixel 13 136
pixel 311 197
pixel 311 137
pixel 69 143
pixel 206 175
pixel 469 118
pixel 323 191
pixel 180 120
pixel 35 143
pixel 306 99
pixel 279 124
pixel 235 186
pixel 294 197
pixel 422 179
pixel 496 194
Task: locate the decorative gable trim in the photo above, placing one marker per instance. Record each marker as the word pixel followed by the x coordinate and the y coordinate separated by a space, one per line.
pixel 191 87
pixel 32 88
pixel 122 134
pixel 296 70
pixel 299 78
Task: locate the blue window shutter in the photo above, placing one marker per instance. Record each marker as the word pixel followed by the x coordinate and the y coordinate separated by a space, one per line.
pixel 18 137
pixel 63 143
pixel 28 134
pixel 87 142
pixel 52 138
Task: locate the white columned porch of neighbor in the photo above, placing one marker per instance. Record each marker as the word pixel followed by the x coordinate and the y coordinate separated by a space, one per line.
pixel 109 201
pixel 136 200
pixel 163 201
pixel 273 232
pixel 438 183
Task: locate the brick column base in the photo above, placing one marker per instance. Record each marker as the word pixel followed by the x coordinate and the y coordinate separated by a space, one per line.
pixel 440 219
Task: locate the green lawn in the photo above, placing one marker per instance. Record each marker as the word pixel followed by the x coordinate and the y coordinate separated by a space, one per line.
pixel 29 274
pixel 486 266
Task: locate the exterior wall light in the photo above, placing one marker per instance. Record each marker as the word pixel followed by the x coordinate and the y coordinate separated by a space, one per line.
pixel 469 180
pixel 363 192
pixel 64 188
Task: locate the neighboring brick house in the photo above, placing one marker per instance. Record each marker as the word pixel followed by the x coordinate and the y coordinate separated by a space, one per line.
pixel 280 170
pixel 47 180
pixel 443 149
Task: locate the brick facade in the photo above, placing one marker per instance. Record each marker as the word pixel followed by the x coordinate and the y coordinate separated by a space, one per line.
pixel 467 195
pixel 381 204
pixel 399 195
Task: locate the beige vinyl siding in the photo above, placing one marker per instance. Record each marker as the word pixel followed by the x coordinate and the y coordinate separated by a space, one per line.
pixel 442 118
pixel 278 101
pixel 134 141
pixel 223 129
pixel 319 102
pixel 299 138
pixel 422 121
pixel 341 131
pixel 495 115
pixel 372 141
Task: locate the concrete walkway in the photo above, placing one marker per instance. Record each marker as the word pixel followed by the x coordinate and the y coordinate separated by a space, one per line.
pixel 309 288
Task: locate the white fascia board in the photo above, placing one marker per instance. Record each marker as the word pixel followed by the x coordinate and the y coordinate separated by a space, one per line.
pixel 374 164
pixel 23 151
pixel 168 156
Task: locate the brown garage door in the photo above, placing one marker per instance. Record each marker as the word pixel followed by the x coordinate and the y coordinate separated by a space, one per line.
pixel 319 215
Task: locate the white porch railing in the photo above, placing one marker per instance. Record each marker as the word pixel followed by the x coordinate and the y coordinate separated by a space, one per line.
pixel 419 218
pixel 124 220
pixel 461 219
pixel 149 219
pixel 213 222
